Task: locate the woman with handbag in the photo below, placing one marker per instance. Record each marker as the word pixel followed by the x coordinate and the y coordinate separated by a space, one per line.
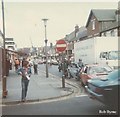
pixel 25 72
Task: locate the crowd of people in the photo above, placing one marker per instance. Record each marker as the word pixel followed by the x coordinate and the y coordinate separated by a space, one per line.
pixel 18 63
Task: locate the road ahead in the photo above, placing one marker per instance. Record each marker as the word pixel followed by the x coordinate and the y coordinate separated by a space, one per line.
pixel 73 106
pixel 80 104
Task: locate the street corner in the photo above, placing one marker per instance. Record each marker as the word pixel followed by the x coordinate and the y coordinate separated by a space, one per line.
pixel 66 89
pixel 65 92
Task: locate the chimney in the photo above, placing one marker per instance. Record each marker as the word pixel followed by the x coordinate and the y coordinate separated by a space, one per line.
pixel 117 15
pixel 76 29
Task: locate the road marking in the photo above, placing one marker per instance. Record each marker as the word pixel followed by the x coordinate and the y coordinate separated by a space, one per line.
pixel 81 95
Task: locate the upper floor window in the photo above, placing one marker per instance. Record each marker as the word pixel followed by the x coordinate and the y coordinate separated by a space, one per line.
pixel 112 33
pixel 93 24
pixel 104 34
pixel 116 32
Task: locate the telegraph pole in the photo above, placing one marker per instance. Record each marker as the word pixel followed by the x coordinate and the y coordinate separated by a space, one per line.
pixel 4 91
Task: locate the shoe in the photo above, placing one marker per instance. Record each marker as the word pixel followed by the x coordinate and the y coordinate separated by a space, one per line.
pixel 23 100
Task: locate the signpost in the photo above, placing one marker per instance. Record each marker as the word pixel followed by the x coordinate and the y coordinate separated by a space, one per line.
pixel 61 47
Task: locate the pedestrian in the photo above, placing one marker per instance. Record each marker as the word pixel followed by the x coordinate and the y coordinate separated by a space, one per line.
pixel 25 72
pixel 35 65
pixel 80 63
pixel 10 64
pixel 65 67
pixel 17 62
pixel 30 62
pixel 23 61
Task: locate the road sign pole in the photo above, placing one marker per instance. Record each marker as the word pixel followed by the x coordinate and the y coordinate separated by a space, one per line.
pixel 63 71
pixel 61 47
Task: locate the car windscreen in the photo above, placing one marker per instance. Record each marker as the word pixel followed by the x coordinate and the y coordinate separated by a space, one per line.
pixel 100 69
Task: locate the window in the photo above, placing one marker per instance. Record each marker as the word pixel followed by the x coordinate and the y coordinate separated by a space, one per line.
pixel 108 33
pixel 112 33
pixel 104 55
pixel 93 24
pixel 104 34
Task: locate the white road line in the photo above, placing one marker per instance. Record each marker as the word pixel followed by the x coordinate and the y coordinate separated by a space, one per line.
pixel 81 95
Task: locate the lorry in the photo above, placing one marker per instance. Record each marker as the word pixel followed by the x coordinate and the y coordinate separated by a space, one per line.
pixel 102 50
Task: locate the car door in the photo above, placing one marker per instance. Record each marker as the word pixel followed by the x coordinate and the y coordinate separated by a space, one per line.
pixel 84 75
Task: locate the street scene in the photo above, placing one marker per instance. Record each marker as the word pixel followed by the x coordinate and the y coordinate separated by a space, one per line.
pixel 59 58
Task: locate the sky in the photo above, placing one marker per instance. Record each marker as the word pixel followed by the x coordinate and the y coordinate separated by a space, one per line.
pixel 23 20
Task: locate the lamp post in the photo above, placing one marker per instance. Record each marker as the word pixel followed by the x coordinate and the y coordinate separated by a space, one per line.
pixel 45 24
pixel 4 91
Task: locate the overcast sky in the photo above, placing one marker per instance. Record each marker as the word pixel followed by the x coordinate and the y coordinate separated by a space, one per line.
pixel 23 20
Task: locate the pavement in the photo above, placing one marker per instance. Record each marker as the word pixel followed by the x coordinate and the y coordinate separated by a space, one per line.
pixel 40 88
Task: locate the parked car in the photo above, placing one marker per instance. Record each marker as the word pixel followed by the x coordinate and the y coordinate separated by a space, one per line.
pixel 94 71
pixel 40 62
pixel 106 89
pixel 54 62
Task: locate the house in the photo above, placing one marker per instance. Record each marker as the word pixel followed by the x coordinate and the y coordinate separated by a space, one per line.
pixel 103 22
pixel 73 37
pixel 10 44
pixel 114 28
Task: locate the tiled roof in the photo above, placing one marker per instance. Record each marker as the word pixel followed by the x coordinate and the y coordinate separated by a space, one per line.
pixel 81 33
pixel 70 36
pixel 104 14
pixel 112 26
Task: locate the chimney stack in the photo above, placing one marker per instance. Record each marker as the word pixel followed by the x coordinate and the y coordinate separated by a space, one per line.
pixel 76 29
pixel 117 15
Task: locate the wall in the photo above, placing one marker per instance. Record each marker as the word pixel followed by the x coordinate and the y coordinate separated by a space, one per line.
pixel 0 63
pixel 89 28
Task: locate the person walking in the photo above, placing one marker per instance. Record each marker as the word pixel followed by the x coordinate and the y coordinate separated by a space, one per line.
pixel 25 72
pixel 80 63
pixel 35 65
pixel 24 59
pixel 17 62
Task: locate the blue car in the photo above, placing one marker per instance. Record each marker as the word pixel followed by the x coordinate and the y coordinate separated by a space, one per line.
pixel 106 89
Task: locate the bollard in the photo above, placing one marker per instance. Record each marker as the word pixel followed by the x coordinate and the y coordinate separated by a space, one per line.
pixel 63 81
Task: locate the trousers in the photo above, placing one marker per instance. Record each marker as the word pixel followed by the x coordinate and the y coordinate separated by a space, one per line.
pixel 35 69
pixel 24 83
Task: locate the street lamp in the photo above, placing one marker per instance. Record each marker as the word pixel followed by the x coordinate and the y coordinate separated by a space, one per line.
pixel 45 24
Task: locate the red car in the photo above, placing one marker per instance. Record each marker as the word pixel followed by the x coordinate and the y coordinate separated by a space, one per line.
pixel 94 71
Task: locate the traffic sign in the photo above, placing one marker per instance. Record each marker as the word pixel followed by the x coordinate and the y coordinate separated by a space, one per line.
pixel 61 45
